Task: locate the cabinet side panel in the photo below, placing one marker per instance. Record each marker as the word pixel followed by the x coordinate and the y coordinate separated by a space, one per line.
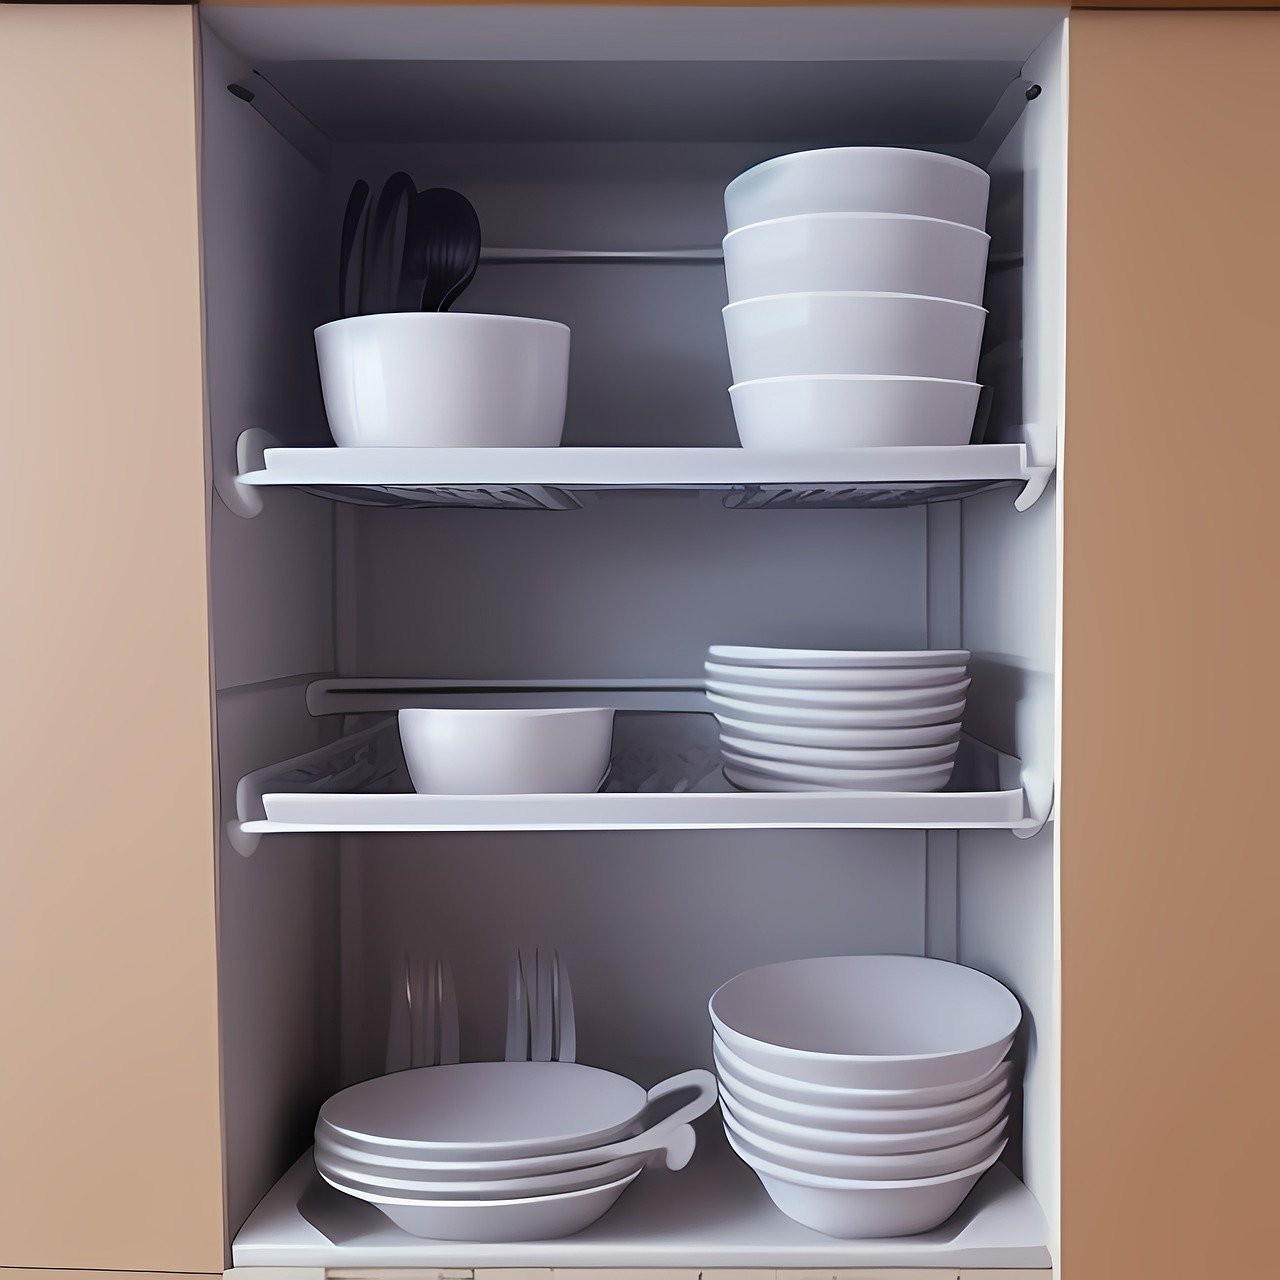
pixel 111 1150
pixel 1168 845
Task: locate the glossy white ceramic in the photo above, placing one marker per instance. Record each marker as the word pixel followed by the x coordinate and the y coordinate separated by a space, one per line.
pixel 754 774
pixel 444 380
pixel 834 758
pixel 870 1022
pixel 810 333
pixel 836 678
pixel 840 699
pixel 516 751
pixel 855 412
pixel 857 253
pixel 820 659
pixel 838 739
pixel 827 718
pixel 865 179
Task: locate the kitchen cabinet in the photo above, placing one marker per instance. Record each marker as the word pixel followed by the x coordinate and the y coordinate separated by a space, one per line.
pixel 179 1003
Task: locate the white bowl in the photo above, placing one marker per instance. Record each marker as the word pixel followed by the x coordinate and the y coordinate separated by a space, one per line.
pixel 836 758
pixel 857 253
pixel 840 699
pixel 875 1168
pixel 777 735
pixel 808 333
pixel 855 1143
pixel 865 1210
pixel 444 380
pixel 866 179
pixel 778 1090
pixel 870 1022
pixel 845 678
pixel 854 412
pixel 840 718
pixel 519 751
pixel 753 774
pixel 757 656
pixel 494 1221
pixel 850 1118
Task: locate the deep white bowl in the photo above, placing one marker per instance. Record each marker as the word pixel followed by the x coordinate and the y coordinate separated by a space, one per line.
pixel 856 412
pixel 866 179
pixel 869 1022
pixel 444 380
pixel 809 333
pixel 517 751
pixel 866 1210
pixel 857 253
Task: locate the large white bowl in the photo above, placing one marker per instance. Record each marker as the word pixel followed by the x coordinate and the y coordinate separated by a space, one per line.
pixel 769 735
pixel 865 1210
pixel 806 333
pixel 779 1089
pixel 876 1168
pixel 845 678
pixel 857 253
pixel 835 758
pixel 839 718
pixel 856 412
pixel 518 751
pixel 840 699
pixel 760 656
pixel 493 1221
pixel 444 380
pixel 866 179
pixel 870 1022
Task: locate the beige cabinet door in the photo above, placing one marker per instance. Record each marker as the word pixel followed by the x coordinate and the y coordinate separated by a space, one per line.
pixel 108 1022
pixel 1169 850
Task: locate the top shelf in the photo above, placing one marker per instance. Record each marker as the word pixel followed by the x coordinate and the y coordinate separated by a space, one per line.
pixel 555 479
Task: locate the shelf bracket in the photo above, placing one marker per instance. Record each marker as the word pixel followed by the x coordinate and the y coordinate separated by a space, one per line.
pixel 1037 482
pixel 245 499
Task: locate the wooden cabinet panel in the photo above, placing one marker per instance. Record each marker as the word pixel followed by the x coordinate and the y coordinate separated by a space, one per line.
pixel 109 1069
pixel 1168 847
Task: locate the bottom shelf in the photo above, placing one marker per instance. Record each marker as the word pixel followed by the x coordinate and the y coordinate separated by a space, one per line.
pixel 712 1214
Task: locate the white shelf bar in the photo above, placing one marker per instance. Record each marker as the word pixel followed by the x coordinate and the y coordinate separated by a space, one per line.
pixel 712 1214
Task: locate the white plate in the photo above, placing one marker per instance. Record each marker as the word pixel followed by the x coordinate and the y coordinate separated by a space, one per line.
pixel 862 739
pixel 878 780
pixel 781 753
pixel 846 678
pixel 756 656
pixel 494 1221
pixel 829 718
pixel 868 1022
pixel 841 699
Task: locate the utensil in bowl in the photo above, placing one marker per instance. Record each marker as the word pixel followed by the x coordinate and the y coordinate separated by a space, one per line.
pixel 442 250
pixel 384 239
pixel 352 226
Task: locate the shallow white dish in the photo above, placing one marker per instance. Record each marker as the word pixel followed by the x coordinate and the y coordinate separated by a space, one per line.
pixel 752 773
pixel 770 735
pixel 493 1221
pixel 509 751
pixel 852 1118
pixel 857 253
pixel 870 1022
pixel 777 1090
pixel 809 1138
pixel 840 699
pixel 827 718
pixel 760 656
pixel 871 179
pixel 876 1168
pixel 835 758
pixel 808 333
pixel 855 412
pixel 444 380
pixel 865 1210
pixel 841 678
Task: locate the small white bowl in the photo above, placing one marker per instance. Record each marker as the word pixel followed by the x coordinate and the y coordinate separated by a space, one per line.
pixel 855 412
pixel 857 253
pixel 865 179
pixel 432 379
pixel 509 751
pixel 868 1022
pixel 866 1210
pixel 880 333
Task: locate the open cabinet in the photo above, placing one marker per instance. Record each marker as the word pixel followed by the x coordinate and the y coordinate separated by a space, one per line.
pixel 596 145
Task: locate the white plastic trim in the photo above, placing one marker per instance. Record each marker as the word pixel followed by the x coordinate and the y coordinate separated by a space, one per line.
pixel 243 498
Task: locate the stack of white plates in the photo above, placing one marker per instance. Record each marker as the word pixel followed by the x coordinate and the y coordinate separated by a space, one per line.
pixel 494 1151
pixel 855 281
pixel 867 1093
pixel 840 719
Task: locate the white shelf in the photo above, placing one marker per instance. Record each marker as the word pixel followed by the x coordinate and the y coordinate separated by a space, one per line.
pixel 664 775
pixel 549 479
pixel 712 1214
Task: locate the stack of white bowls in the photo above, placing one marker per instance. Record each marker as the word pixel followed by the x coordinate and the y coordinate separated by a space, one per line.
pixel 837 719
pixel 494 1151
pixel 867 1093
pixel 855 287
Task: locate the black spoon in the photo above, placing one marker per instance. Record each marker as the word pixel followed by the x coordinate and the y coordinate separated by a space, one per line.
pixel 384 243
pixel 349 289
pixel 443 248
